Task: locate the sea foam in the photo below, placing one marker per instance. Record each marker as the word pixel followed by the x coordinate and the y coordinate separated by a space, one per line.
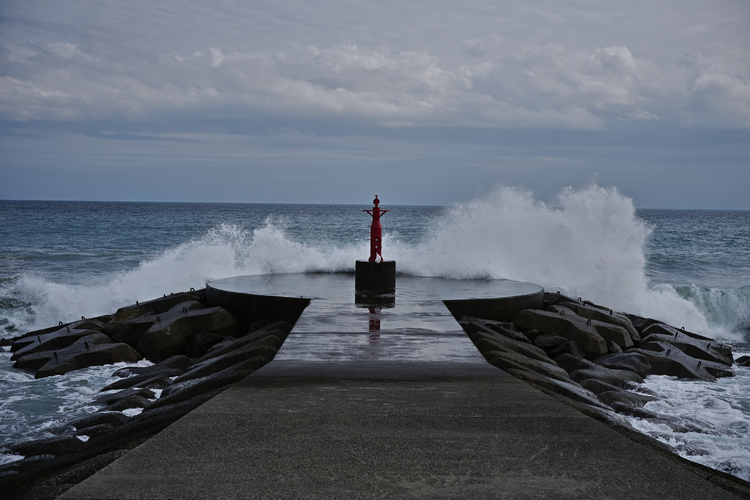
pixel 719 409
pixel 588 243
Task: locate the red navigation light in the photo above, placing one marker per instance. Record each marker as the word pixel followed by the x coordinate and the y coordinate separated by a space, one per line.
pixel 376 232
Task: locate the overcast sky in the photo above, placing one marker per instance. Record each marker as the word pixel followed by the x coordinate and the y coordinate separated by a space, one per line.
pixel 423 102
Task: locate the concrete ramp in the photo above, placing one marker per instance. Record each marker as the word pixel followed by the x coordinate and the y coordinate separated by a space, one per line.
pixel 388 401
pixel 390 430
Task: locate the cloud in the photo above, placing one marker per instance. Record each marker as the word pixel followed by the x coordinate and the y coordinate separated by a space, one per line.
pixel 346 79
pixel 37 102
pixel 718 92
pixel 301 63
pixel 601 84
pixel 66 50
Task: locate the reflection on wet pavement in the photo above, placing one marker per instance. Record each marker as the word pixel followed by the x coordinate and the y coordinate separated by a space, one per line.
pixel 411 324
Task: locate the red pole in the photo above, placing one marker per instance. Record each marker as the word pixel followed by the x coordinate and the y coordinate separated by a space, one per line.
pixel 376 231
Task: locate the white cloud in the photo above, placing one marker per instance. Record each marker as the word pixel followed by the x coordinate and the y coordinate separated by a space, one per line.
pixel 718 92
pixel 67 50
pixel 640 115
pixel 37 101
pixel 9 86
pixel 19 53
pixel 350 80
pixel 298 61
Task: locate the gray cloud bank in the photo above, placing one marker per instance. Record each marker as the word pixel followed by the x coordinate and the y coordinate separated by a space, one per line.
pixel 192 71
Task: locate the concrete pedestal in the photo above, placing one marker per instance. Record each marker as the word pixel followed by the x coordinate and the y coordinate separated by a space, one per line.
pixel 375 275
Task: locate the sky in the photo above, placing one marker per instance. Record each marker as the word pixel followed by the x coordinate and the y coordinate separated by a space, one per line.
pixel 423 102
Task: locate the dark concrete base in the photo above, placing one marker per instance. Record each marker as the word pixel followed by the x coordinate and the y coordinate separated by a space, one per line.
pixel 249 308
pixel 416 304
pixel 303 431
pixel 498 309
pixel 372 276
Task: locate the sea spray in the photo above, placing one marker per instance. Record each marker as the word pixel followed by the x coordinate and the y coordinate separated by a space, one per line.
pixel 721 410
pixel 726 308
pixel 689 269
pixel 35 409
pixel 589 243
pixel 226 250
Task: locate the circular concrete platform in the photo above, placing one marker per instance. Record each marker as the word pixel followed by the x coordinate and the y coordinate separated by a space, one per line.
pixel 418 304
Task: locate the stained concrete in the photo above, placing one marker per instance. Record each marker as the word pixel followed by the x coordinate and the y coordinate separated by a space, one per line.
pixel 416 304
pixel 298 429
pixel 388 402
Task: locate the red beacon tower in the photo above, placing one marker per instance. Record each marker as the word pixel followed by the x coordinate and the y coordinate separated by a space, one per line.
pixel 375 273
pixel 376 232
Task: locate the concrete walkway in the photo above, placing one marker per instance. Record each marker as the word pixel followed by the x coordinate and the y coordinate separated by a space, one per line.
pixel 380 429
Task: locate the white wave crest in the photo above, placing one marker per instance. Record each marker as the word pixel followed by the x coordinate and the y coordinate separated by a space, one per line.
pixel 718 409
pixel 590 244
pixel 226 250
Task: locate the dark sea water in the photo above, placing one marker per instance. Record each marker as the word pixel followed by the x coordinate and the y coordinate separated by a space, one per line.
pixel 63 260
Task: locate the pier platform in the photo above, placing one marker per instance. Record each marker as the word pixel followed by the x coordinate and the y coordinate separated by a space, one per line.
pixel 390 403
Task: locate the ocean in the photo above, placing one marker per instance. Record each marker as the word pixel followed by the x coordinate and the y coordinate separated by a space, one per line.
pixel 690 268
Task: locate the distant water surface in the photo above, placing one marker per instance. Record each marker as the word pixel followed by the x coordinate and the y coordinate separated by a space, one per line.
pixel 63 260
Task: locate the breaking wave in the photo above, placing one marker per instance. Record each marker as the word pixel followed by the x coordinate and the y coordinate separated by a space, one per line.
pixel 589 243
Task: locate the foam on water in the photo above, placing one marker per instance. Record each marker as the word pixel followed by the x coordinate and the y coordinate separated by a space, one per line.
pixel 34 409
pixel 721 410
pixel 227 250
pixel 590 243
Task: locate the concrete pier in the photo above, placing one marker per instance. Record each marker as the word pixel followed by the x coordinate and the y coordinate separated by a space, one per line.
pixel 402 408
pixel 324 302
pixel 390 430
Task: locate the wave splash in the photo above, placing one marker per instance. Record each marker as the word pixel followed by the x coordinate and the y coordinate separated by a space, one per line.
pixel 717 418
pixel 224 251
pixel 590 243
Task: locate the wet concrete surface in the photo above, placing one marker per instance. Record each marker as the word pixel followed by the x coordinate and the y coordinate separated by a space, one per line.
pixel 410 323
pixel 401 408
pixel 390 430
pixel 415 305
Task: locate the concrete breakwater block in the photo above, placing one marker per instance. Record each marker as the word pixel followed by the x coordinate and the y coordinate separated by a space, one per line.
pixel 419 329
